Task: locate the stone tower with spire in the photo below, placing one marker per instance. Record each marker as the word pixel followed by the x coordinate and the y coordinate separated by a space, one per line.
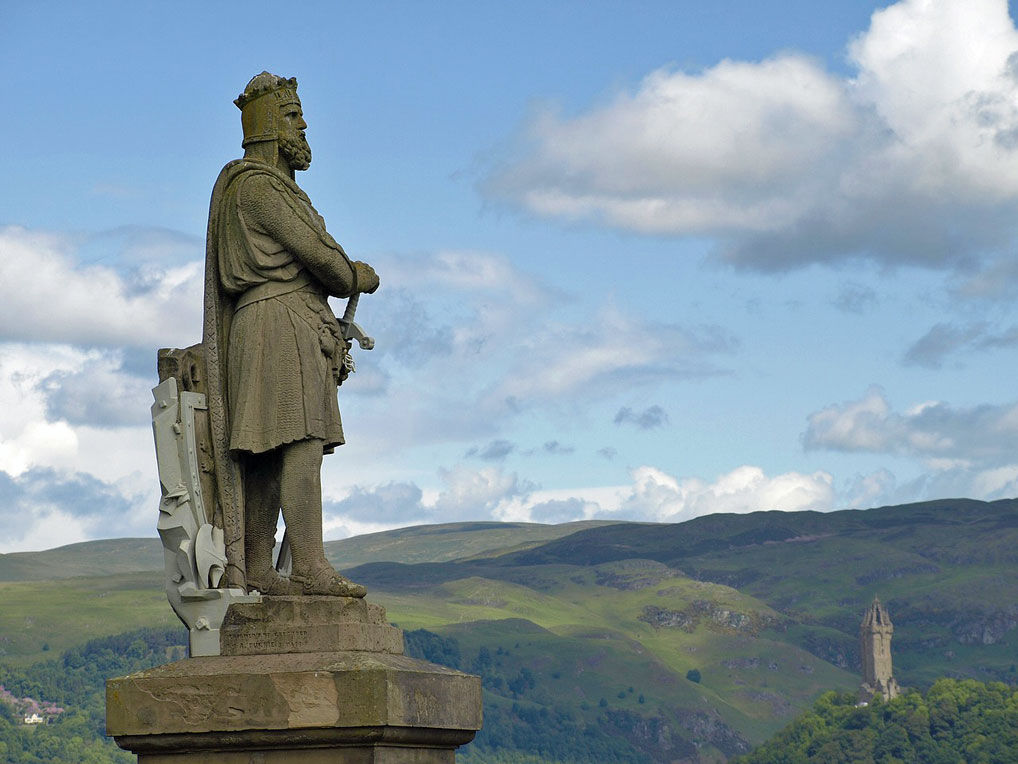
pixel 875 643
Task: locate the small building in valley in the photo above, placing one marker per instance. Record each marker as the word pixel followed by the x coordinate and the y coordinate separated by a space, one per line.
pixel 875 647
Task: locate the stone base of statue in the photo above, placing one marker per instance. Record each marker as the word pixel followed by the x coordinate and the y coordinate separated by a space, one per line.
pixel 300 679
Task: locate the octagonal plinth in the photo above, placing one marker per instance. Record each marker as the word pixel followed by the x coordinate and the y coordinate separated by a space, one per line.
pixel 306 708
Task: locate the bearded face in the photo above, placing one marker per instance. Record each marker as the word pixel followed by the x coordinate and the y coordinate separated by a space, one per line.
pixel 293 144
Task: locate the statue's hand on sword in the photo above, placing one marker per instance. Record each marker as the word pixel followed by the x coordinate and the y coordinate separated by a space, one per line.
pixel 366 277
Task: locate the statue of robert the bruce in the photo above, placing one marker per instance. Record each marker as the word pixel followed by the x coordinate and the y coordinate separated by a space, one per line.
pixel 274 350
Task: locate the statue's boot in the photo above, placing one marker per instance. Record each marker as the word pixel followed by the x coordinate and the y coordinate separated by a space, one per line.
pixel 300 492
pixel 270 583
pixel 326 581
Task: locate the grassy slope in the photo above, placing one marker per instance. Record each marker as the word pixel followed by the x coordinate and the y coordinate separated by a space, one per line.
pixel 61 614
pixel 422 543
pixel 89 558
pixel 802 580
pixel 445 542
pixel 756 683
pixel 946 569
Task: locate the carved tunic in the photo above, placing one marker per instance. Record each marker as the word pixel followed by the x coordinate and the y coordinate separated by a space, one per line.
pixel 278 264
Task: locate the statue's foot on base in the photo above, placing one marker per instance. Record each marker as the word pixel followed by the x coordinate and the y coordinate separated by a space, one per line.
pixel 272 584
pixel 326 581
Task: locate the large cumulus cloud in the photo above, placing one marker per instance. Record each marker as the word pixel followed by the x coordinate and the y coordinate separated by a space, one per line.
pixel 912 159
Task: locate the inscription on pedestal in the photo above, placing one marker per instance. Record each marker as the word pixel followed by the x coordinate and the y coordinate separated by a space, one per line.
pixel 267 643
pixel 280 625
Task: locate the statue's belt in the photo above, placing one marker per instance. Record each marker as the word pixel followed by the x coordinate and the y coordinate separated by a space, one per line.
pixel 273 289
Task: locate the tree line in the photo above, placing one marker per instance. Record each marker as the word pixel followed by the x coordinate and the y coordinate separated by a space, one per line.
pixel 953 722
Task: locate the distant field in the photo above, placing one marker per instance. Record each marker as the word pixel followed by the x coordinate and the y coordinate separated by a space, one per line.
pixel 41 619
pixel 89 558
pixel 421 543
pixel 448 541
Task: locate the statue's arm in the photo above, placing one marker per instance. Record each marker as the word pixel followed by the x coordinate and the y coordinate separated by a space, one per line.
pixel 268 204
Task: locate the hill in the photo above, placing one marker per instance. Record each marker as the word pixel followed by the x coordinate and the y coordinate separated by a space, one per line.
pixel 420 543
pixel 89 558
pixel 448 541
pixel 691 641
pixel 946 570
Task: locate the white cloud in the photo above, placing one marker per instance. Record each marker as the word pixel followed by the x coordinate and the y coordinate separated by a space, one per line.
pixel 946 437
pixel 44 528
pixel 65 407
pixel 45 508
pixel 63 481
pixel 654 495
pixel 27 437
pixel 47 294
pixel 912 160
pixel 466 494
pixel 668 157
pixel 957 480
pixel 560 361
pixel 657 495
pixel 500 334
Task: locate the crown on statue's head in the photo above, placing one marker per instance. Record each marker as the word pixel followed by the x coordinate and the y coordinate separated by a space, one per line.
pixel 260 103
pixel 284 90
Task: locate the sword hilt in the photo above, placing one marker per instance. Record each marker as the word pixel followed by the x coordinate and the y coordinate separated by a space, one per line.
pixel 351 307
pixel 351 331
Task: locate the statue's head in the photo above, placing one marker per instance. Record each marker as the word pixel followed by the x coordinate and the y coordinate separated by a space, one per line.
pixel 270 112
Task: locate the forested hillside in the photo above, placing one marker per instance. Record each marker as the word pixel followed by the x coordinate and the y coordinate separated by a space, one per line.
pixel 954 721
pixel 76 682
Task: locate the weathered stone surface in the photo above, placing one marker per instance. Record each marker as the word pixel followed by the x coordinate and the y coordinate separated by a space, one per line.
pixel 875 648
pixel 274 351
pixel 293 702
pixel 242 422
pixel 308 625
pixel 377 754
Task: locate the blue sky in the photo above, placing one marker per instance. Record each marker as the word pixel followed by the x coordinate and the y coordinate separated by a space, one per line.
pixel 642 261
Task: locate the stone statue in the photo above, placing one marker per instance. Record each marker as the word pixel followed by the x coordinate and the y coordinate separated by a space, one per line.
pixel 274 351
pixel 242 420
pixel 297 667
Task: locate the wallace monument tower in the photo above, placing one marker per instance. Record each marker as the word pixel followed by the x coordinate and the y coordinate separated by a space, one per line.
pixel 288 660
pixel 875 648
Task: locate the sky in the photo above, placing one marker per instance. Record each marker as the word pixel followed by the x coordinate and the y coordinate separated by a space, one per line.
pixel 641 261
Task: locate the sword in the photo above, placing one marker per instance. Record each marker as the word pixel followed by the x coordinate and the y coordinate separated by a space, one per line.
pixel 352 330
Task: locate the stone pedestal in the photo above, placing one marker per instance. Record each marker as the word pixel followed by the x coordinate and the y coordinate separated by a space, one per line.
pixel 307 625
pixel 360 702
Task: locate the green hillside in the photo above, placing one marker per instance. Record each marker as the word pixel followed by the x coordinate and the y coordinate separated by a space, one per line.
pixel 421 543
pixel 945 569
pixel 689 641
pixel 40 619
pixel 89 558
pixel 448 541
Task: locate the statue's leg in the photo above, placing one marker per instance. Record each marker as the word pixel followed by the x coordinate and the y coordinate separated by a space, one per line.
pixel 261 513
pixel 301 499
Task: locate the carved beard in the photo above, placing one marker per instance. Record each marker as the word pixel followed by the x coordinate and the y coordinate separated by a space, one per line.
pixel 295 149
